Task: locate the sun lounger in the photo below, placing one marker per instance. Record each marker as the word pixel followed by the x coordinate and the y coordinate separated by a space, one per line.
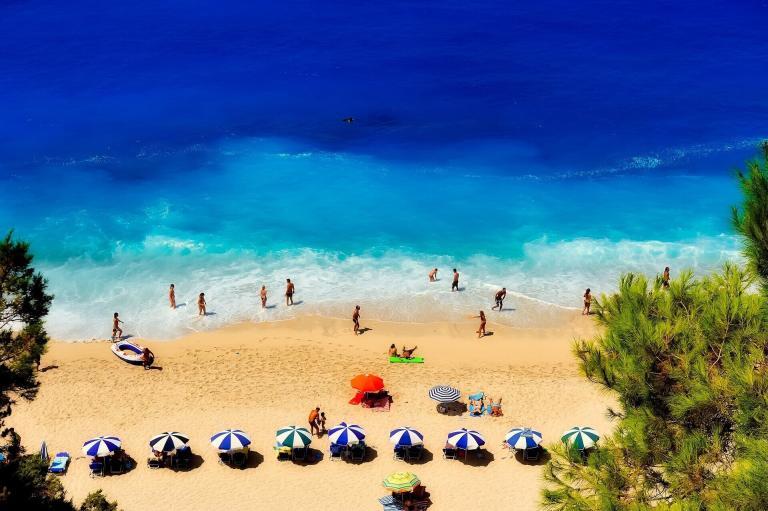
pixel 59 463
pixel 154 462
pixel 96 468
pixel 239 458
pixel 414 452
pixel 390 503
pixel 403 360
pixel 225 458
pixel 337 451
pixel 183 458
pixel 283 453
pixel 450 453
pixel 299 453
pixel 531 454
pixel 116 466
pixel 357 452
pixel 399 452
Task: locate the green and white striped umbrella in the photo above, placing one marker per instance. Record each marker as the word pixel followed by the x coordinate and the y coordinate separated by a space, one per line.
pixel 293 437
pixel 581 437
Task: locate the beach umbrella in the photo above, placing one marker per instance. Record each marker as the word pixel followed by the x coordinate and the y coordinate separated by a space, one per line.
pixel 581 437
pixel 367 383
pixel 401 482
pixel 406 436
pixel 230 440
pixel 293 437
pixel 346 434
pixel 168 441
pixel 466 439
pixel 43 452
pixel 523 438
pixel 101 446
pixel 444 394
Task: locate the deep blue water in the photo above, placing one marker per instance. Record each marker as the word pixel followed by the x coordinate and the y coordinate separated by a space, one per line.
pixel 545 146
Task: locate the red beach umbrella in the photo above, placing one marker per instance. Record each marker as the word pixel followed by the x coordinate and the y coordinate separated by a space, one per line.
pixel 367 383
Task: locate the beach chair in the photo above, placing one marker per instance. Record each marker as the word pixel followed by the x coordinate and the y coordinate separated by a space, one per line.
pixel 183 458
pixel 357 452
pixel 337 451
pixel 299 454
pixel 96 468
pixel 59 463
pixel 399 452
pixel 116 465
pixel 449 453
pixel 390 503
pixel 414 452
pixel 239 458
pixel 154 462
pixel 283 453
pixel 225 458
pixel 531 454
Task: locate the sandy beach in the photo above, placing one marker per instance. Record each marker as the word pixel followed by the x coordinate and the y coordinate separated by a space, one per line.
pixel 259 377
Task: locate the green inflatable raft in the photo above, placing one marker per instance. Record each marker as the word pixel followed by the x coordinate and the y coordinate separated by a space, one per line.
pixel 401 360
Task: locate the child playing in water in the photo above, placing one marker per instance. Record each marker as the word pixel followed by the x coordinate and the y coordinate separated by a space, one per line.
pixel 201 305
pixel 172 297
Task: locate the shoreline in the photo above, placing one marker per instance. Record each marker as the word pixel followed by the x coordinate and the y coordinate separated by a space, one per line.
pixel 259 377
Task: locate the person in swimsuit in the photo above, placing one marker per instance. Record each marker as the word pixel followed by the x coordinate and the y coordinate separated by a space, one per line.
pixel 587 302
pixel 393 351
pixel 172 297
pixel 263 297
pixel 146 357
pixel 496 408
pixel 455 285
pixel 665 278
pixel 500 298
pixel 201 305
pixel 481 330
pixel 289 290
pixel 313 419
pixel 117 332
pixel 433 275
pixel 356 320
pixel 408 353
pixel 321 422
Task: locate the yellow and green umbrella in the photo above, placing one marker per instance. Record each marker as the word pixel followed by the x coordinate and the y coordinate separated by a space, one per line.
pixel 400 482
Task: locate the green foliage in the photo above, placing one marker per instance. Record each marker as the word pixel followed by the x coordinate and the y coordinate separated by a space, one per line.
pixel 26 485
pixel 688 367
pixel 96 501
pixel 752 221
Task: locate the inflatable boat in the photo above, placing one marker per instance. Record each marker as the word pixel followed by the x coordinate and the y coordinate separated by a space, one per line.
pixel 130 352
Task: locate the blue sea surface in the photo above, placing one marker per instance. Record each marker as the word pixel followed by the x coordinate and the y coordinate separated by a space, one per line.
pixel 546 146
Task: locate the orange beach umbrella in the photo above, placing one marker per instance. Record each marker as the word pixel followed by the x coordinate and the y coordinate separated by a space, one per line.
pixel 367 383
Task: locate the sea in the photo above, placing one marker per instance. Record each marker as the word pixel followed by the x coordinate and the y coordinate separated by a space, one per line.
pixel 544 146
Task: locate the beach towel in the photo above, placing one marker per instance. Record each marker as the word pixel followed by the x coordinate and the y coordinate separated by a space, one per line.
pixel 59 463
pixel 477 396
pixel 401 360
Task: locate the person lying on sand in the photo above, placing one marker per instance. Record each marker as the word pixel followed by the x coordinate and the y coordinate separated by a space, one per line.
pixel 408 353
pixel 393 351
pixel 479 407
pixel 496 408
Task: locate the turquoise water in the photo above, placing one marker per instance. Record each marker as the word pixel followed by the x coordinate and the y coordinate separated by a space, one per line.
pixel 544 148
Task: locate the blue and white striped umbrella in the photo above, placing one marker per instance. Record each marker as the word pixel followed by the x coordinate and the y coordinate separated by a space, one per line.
pixel 101 446
pixel 406 436
pixel 466 439
pixel 43 452
pixel 523 438
pixel 346 434
pixel 168 441
pixel 444 394
pixel 230 440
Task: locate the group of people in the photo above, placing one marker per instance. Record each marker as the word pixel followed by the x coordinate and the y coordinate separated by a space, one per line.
pixel 290 289
pixel 406 353
pixel 317 422
pixel 478 407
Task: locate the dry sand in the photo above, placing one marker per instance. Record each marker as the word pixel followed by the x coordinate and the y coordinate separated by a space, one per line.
pixel 264 376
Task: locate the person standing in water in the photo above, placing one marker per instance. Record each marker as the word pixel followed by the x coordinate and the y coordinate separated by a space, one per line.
pixel 289 290
pixel 172 296
pixel 356 320
pixel 263 297
pixel 481 330
pixel 587 302
pixel 455 285
pixel 117 332
pixel 500 295
pixel 665 278
pixel 433 275
pixel 201 305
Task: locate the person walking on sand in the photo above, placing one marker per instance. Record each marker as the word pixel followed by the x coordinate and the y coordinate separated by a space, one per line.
pixel 172 296
pixel 500 295
pixel 665 278
pixel 313 421
pixel 587 302
pixel 481 330
pixel 263 297
pixel 289 290
pixel 146 358
pixel 356 320
pixel 455 285
pixel 201 305
pixel 117 332
pixel 433 275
